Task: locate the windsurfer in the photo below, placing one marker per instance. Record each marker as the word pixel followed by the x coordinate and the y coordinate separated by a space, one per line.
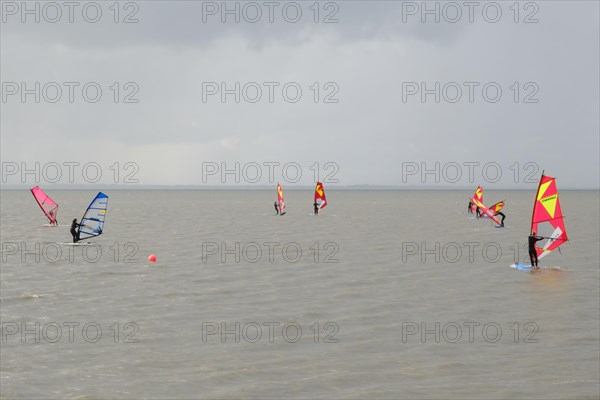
pixel 316 208
pixel 478 212
pixel 53 215
pixel 74 230
pixel 276 208
pixel 532 239
pixel 502 215
pixel 469 210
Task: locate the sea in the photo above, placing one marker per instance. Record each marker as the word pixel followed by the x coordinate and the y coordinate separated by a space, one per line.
pixel 383 295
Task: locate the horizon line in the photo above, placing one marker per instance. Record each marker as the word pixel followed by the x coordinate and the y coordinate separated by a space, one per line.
pixel 332 187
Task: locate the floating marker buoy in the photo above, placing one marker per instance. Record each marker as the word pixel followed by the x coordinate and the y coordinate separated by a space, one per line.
pixel 152 258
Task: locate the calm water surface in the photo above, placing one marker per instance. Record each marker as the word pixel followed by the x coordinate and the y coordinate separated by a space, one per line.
pixel 384 295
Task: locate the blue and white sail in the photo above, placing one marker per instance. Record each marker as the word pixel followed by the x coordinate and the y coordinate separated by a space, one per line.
pixel 92 223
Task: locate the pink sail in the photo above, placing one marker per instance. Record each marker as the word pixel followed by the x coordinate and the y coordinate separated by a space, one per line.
pixel 48 206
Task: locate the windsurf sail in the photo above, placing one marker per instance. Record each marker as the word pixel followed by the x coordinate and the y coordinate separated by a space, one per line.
pixel 48 206
pixel 280 201
pixel 92 223
pixel 477 196
pixel 486 211
pixel 547 218
pixel 497 207
pixel 320 198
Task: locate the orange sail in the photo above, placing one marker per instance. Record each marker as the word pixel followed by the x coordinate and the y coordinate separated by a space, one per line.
pixel 320 198
pixel 547 218
pixel 477 196
pixel 280 200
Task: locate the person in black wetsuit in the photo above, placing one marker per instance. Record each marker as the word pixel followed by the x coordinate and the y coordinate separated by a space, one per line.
pixel 74 230
pixel 532 239
pixel 478 212
pixel 276 208
pixel 316 208
pixel 469 207
pixel 502 215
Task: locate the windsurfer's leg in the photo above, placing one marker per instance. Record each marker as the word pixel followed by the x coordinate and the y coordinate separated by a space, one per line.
pixel 532 258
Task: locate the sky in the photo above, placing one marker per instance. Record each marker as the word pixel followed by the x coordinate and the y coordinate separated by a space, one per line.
pixel 409 94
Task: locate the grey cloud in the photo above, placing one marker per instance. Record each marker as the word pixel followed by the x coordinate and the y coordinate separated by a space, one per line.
pixel 190 23
pixel 369 55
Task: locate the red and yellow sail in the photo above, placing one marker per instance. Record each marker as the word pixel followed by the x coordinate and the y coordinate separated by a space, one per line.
pixel 477 196
pixel 486 210
pixel 497 207
pixel 280 200
pixel 547 218
pixel 320 198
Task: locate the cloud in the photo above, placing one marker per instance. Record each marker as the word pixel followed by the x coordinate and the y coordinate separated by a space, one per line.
pixel 353 75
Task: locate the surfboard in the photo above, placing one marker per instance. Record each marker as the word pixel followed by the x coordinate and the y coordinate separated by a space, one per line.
pixel 526 267
pixel 76 244
pixel 521 267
